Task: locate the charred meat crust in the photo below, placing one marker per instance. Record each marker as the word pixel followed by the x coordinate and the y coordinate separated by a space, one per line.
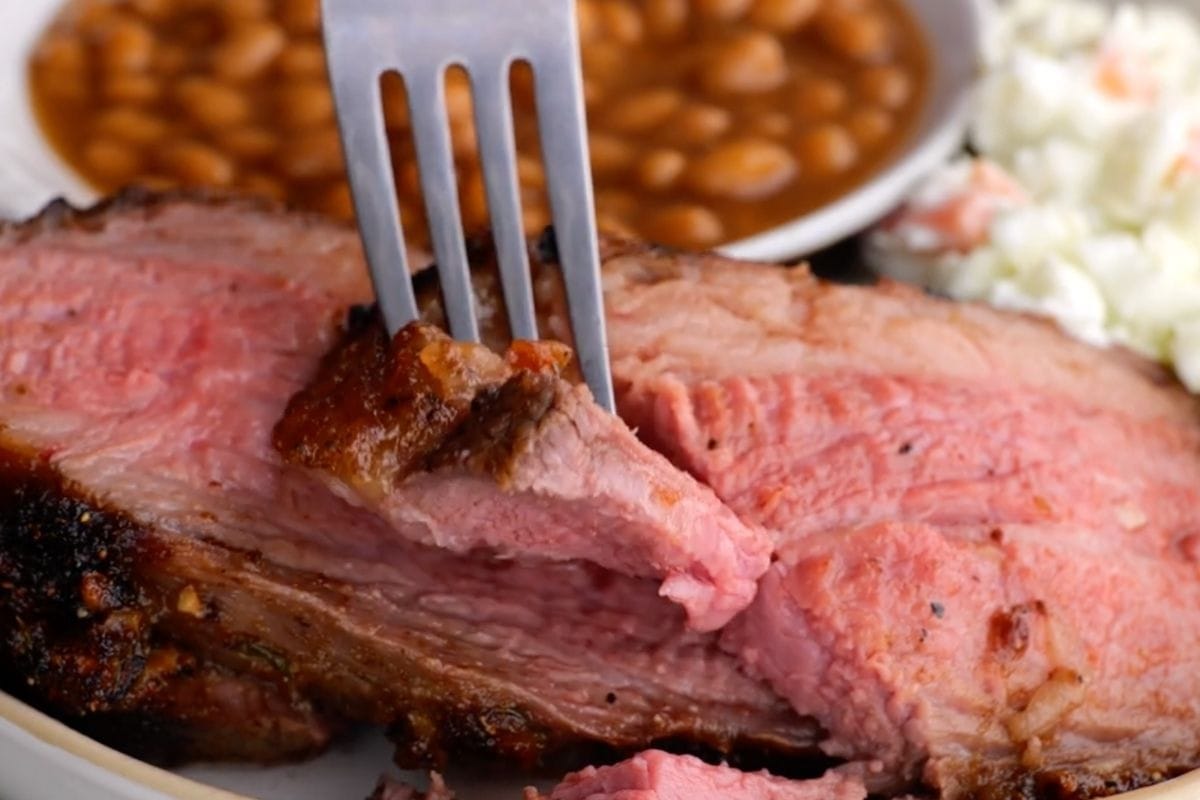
pixel 1016 783
pixel 74 625
pixel 78 637
pixel 446 404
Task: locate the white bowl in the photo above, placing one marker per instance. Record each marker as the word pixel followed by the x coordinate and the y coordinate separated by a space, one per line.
pixel 31 174
pixel 954 30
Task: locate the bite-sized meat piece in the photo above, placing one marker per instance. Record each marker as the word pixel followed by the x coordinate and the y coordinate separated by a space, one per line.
pixel 463 449
pixel 147 349
pixel 830 411
pixel 655 775
pixel 391 789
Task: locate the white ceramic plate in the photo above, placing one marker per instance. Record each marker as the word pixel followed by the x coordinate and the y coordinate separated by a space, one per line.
pixel 41 759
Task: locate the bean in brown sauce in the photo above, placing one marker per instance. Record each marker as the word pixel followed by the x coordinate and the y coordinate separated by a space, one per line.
pixel 688 226
pixel 742 169
pixel 711 120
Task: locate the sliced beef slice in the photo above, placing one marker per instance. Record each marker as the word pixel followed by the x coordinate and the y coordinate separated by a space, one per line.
pixel 462 449
pixel 828 406
pixel 829 413
pixel 655 775
pixel 1038 661
pixel 917 458
pixel 149 532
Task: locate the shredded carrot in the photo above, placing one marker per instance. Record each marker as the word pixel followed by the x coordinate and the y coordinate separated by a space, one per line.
pixel 1125 76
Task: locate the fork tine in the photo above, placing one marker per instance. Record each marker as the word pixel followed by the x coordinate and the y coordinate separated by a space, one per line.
pixel 431 131
pixel 369 168
pixel 564 149
pixel 497 154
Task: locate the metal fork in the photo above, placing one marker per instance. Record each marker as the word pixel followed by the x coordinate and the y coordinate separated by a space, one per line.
pixel 420 39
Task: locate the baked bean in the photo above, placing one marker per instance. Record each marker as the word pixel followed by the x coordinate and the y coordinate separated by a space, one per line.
pixel 395 100
pixel 609 154
pixel 782 16
pixel 621 21
pixel 887 86
pixel 234 92
pixel 154 10
pixel 593 94
pixel 535 219
pixel 248 51
pixel 304 104
pixel 463 138
pixel 660 168
pixel 408 176
pixel 723 10
pixel 244 10
pixel 249 143
pixel 301 60
pixel 62 54
pixel 63 88
pixel 458 95
pixel 530 173
pixel 96 14
pixel 127 46
pixel 170 60
pixel 111 160
pixel 603 61
pixel 131 126
pixel 640 112
pixel 860 35
pixel 533 196
pixel 587 16
pixel 743 169
pixel 827 149
pixel 141 88
pixel 753 61
pixel 312 155
pixel 616 202
pixel 772 124
pixel 699 124
pixel 685 225
pixel 665 19
pixel 520 83
pixel 337 202
pixel 615 226
pixel 196 164
pixel 869 126
pixel 212 104
pixel 300 16
pixel 472 199
pixel 820 98
pixel 263 185
pixel 412 215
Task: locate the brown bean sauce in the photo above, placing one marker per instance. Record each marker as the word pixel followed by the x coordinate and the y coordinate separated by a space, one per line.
pixel 710 120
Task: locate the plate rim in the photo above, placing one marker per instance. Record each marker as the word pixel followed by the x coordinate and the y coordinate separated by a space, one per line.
pixel 92 761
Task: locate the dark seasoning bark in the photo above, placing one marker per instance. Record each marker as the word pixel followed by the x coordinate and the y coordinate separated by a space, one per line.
pixel 80 636
pixel 442 404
